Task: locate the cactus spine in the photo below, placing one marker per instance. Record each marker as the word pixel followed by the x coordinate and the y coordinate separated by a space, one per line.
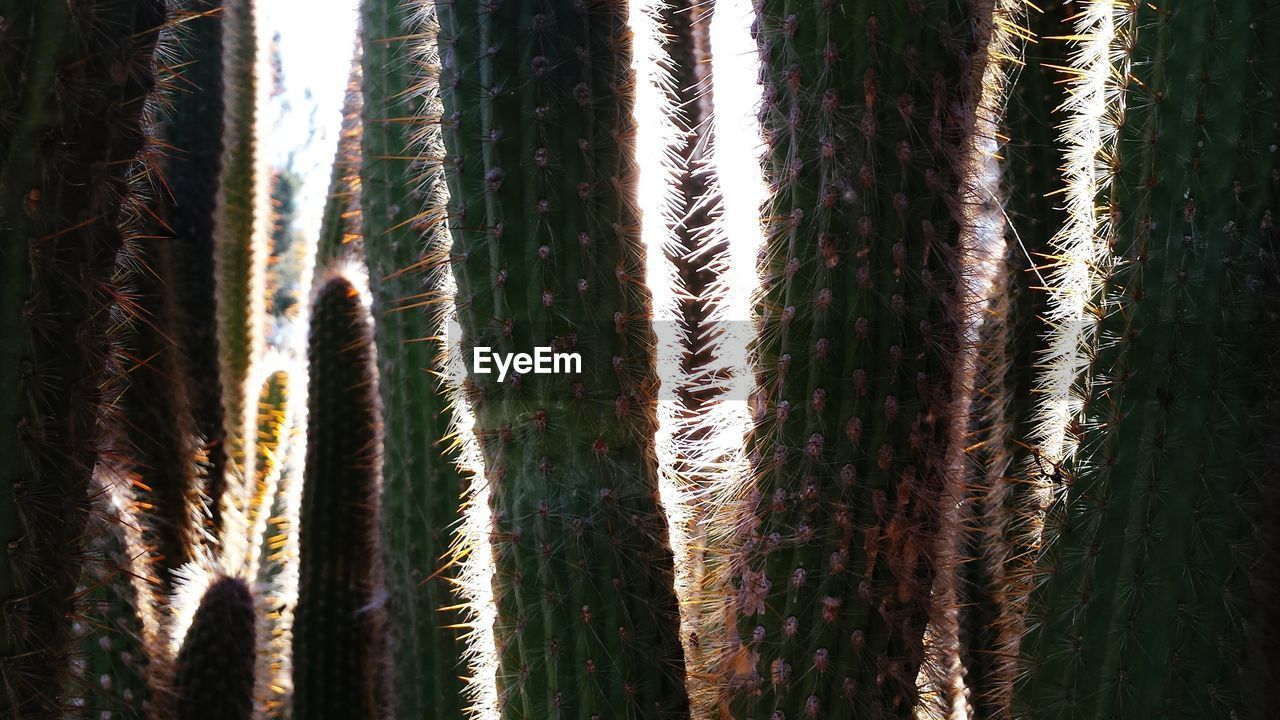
pixel 76 83
pixel 539 159
pixel 1142 580
pixel 214 679
pixel 420 487
pixel 867 113
pixel 335 629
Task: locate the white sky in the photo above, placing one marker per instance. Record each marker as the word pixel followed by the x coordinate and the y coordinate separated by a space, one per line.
pixel 316 42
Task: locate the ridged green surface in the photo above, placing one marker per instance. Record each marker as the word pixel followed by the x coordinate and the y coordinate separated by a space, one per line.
pixel 214 673
pixel 75 80
pixel 336 644
pixel 863 113
pixel 238 258
pixel 113 666
pixel 1142 586
pixel 546 252
pixel 421 487
pixel 192 168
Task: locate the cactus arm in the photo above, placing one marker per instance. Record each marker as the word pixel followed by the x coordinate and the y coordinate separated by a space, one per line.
pixel 335 630
pixel 239 246
pixel 192 171
pixel 270 444
pixel 867 107
pixel 540 166
pixel 214 671
pixel 115 673
pixel 73 148
pixel 1148 541
pixel 421 487
pixel 340 223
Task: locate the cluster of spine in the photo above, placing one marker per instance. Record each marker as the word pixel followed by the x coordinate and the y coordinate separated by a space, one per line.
pixel 213 678
pixel 867 113
pixel 73 95
pixel 1141 583
pixel 539 159
pixel 335 628
pixel 404 249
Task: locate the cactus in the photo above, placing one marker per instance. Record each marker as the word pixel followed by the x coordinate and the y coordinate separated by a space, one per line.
pixel 1143 574
pixel 421 488
pixel 192 171
pixel 869 111
pixel 269 445
pixel 72 105
pixel 336 642
pixel 1004 507
pixel 115 677
pixel 214 674
pixel 341 224
pixel 540 166
pixel 240 229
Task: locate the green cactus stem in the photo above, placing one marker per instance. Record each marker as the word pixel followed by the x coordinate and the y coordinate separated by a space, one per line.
pixel 114 665
pixel 540 165
pixel 239 249
pixel 421 487
pixel 1141 588
pixel 868 110
pixel 74 87
pixel 336 645
pixel 214 673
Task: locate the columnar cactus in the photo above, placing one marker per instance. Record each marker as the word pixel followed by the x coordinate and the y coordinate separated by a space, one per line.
pixel 1141 587
pixel 73 90
pixel 421 488
pixel 269 446
pixel 537 129
pixel 1004 509
pixel 336 646
pixel 192 170
pixel 115 676
pixel 341 223
pixel 214 673
pixel 239 258
pixel 868 110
